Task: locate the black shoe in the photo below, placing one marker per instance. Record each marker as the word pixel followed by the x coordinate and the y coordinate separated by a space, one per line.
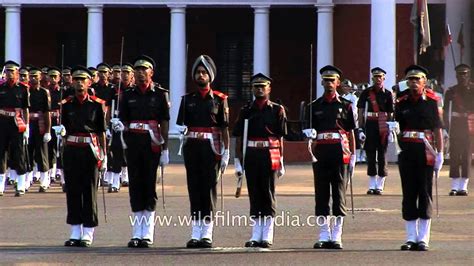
pixel 252 244
pixel 115 190
pixel 57 177
pixel 409 245
pixel 85 243
pixel 322 245
pixel 145 243
pixel 205 243
pixel 134 243
pixel 72 243
pixel 42 189
pixel 422 246
pixel 19 193
pixel 52 179
pixel 265 244
pixel 336 245
pixel 11 182
pixel 124 184
pixel 378 192
pixel 110 190
pixel 193 243
pixel 453 192
pixel 371 192
pixel 63 186
pixel 462 193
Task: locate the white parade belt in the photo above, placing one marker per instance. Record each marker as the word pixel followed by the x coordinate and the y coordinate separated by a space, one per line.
pixel 7 113
pixel 414 134
pixel 327 136
pixel 199 135
pixel 139 126
pixel 78 139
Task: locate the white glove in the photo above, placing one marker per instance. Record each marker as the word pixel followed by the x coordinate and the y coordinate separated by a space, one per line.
pixel 225 160
pixel 182 129
pixel 26 134
pixel 165 157
pixel 394 126
pixel 281 172
pixel 438 162
pixel 238 167
pixel 362 136
pixel 103 165
pixel 46 137
pixel 108 134
pixel 353 161
pixel 310 133
pixel 445 134
pixel 117 125
pixel 59 130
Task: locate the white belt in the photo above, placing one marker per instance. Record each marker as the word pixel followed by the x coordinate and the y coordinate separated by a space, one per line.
pixel 258 143
pixel 414 134
pixel 139 126
pixel 7 113
pixel 77 139
pixel 456 114
pixel 34 115
pixel 199 135
pixel 374 114
pixel 328 136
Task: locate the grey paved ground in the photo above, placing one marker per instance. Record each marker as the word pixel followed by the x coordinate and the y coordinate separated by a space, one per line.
pixel 33 228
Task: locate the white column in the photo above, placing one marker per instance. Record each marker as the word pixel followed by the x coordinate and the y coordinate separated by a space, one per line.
pixel 13 32
pixel 324 52
pixel 261 40
pixel 177 62
pixel 383 34
pixel 457 12
pixel 94 35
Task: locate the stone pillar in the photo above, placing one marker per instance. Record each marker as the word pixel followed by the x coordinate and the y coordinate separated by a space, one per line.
pixel 94 34
pixel 457 12
pixel 325 41
pixel 261 40
pixel 13 32
pixel 383 34
pixel 177 62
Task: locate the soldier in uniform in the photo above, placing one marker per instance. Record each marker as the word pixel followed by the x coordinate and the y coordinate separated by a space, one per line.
pixel 95 74
pixel 379 103
pixel 334 149
pixel 44 82
pixel 144 115
pixel 263 159
pixel 420 124
pixel 83 128
pixel 68 90
pixel 104 90
pixel 14 118
pixel 205 113
pixel 40 127
pixel 24 77
pixel 459 121
pixel 116 74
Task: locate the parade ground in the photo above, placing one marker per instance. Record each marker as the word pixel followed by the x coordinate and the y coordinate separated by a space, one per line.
pixel 33 227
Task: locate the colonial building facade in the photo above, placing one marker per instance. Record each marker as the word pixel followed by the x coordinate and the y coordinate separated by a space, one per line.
pixel 275 37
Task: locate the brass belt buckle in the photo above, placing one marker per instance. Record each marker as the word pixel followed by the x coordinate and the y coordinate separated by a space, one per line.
pixel 328 136
pixel 199 135
pixel 259 144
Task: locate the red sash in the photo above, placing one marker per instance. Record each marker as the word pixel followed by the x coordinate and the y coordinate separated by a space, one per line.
pixel 19 122
pixel 346 151
pixel 155 147
pixel 275 154
pixel 470 124
pixel 382 118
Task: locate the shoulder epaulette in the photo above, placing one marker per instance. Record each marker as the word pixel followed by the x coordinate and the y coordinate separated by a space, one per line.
pixel 67 99
pixel 401 98
pixel 432 95
pixel 220 94
pixel 97 99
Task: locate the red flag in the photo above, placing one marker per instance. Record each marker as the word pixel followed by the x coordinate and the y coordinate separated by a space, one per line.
pixel 461 40
pixel 420 20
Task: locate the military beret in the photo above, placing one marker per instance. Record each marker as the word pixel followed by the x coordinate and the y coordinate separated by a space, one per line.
pixel 93 70
pixel 81 72
pixel 330 72
pixel 103 67
pixel 23 71
pixel 207 62
pixel 127 67
pixel 462 68
pixel 11 65
pixel 54 71
pixel 66 70
pixel 416 71
pixel 377 71
pixel 260 79
pixel 35 71
pixel 116 67
pixel 144 61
